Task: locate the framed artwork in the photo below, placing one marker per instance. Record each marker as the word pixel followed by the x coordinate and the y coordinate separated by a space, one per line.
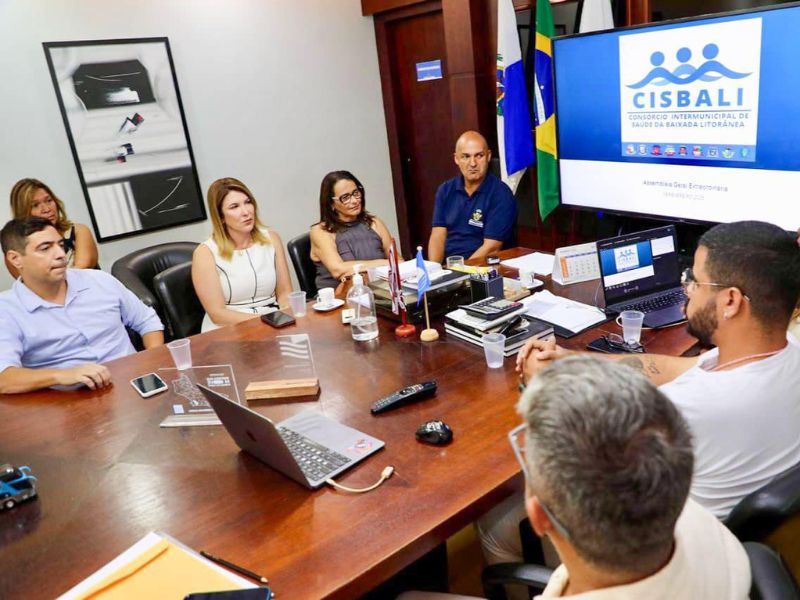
pixel 122 110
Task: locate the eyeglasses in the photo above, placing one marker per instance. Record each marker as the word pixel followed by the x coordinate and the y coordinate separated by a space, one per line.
pixel 690 284
pixel 617 342
pixel 519 452
pixel 345 198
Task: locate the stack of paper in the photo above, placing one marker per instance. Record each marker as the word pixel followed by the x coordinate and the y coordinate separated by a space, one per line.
pixel 538 262
pixel 562 312
pixel 408 269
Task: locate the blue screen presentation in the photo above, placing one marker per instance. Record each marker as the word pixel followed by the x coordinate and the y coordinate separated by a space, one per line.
pixel 696 120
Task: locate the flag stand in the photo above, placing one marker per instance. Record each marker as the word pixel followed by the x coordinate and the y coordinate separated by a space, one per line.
pixel 428 334
pixel 406 329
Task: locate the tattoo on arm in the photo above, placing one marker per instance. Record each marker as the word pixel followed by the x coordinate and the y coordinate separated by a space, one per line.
pixel 651 368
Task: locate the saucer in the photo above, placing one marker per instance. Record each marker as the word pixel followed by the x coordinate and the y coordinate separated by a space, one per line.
pixel 326 307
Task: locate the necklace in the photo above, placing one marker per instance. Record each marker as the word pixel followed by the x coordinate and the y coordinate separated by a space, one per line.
pixel 736 361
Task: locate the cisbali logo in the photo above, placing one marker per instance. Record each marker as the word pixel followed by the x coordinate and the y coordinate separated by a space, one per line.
pixel 691 78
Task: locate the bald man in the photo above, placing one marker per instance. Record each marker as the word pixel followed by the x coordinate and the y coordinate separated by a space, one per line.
pixel 475 213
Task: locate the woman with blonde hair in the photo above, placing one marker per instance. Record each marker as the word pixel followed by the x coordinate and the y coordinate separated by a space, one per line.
pixel 241 270
pixel 33 198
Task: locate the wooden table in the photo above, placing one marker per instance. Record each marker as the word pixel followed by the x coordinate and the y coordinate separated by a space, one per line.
pixel 108 474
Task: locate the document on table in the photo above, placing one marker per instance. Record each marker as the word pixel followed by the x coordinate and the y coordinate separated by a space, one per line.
pixel 538 262
pixel 563 313
pixel 157 566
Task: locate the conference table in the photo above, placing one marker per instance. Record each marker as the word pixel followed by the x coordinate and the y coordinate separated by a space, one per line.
pixel 108 474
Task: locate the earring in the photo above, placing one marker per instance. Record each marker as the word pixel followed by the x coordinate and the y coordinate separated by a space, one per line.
pixel 726 316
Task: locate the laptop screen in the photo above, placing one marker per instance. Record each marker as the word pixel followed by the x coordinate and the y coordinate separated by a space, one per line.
pixel 638 264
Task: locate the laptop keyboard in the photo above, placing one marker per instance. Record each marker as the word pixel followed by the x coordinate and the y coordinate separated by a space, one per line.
pixel 316 461
pixel 653 304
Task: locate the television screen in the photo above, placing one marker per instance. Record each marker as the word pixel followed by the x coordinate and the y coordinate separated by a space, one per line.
pixel 695 120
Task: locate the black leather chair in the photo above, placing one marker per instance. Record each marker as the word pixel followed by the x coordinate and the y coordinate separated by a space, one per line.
pixel 137 269
pixel 299 250
pixel 760 513
pixel 182 309
pixel 771 579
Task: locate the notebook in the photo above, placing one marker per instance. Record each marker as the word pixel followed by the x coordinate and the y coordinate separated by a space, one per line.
pixel 640 271
pixel 307 447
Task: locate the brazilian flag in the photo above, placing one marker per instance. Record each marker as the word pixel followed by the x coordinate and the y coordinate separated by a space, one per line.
pixel 544 111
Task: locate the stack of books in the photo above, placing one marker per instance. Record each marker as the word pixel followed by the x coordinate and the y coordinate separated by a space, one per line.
pixel 472 329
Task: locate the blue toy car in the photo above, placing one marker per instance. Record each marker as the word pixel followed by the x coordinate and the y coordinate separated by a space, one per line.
pixel 16 485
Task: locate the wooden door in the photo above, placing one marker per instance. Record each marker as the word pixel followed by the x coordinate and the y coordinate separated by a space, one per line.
pixel 421 112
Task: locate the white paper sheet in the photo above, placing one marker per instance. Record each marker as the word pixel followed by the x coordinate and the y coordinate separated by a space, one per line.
pixel 538 262
pixel 563 312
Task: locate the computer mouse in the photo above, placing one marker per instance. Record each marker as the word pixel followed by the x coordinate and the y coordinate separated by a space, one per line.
pixel 435 432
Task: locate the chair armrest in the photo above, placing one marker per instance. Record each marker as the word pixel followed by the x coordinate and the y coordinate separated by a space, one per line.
pixel 771 578
pixel 494 577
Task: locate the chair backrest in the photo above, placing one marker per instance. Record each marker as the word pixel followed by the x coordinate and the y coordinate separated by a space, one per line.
pixel 182 309
pixel 771 579
pixel 137 269
pixel 761 512
pixel 299 250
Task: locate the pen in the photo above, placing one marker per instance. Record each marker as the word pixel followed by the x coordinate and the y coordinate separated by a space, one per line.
pixel 234 567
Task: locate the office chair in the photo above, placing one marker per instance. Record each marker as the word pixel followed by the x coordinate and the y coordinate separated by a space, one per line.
pixel 771 515
pixel 771 580
pixel 137 269
pixel 300 252
pixel 179 303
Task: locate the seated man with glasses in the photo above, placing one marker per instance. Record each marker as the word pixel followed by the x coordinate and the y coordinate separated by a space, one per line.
pixel 475 213
pixel 741 399
pixel 607 460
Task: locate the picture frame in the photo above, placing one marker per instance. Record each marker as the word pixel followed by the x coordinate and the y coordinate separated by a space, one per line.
pixel 122 109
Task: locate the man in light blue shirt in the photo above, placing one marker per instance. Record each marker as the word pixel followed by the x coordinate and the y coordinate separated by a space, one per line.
pixel 57 324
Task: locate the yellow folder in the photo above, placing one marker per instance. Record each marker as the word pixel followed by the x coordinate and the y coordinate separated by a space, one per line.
pixel 156 567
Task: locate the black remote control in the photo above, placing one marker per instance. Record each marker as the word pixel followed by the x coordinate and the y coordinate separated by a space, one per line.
pixel 412 393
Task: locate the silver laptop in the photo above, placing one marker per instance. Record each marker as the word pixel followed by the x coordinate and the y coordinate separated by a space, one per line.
pixel 640 271
pixel 307 447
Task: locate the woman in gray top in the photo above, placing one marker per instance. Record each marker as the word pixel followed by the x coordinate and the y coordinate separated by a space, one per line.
pixel 346 234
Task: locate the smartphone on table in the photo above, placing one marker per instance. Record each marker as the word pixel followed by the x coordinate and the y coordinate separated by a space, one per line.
pixel 277 319
pixel 149 385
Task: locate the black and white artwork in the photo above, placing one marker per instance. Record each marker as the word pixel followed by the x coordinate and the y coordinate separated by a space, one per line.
pixel 125 123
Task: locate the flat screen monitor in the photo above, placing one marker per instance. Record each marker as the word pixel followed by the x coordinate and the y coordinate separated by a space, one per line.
pixel 695 120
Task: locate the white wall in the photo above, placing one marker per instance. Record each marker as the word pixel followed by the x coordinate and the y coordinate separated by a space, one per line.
pixel 275 92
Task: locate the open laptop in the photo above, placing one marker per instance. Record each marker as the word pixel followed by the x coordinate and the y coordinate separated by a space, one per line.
pixel 640 271
pixel 307 447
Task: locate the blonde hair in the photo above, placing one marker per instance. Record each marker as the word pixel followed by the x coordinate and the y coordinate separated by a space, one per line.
pixel 22 201
pixel 216 194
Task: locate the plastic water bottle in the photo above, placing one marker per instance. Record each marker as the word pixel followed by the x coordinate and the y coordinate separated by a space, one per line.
pixel 364 326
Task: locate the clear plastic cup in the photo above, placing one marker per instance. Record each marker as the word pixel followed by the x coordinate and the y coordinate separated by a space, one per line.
pixel 493 346
pixel 181 352
pixel 297 302
pixel 631 321
pixel 455 262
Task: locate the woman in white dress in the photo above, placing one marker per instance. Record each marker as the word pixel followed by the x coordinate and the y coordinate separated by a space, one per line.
pixel 241 270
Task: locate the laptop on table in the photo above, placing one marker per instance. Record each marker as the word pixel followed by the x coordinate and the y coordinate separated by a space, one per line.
pixel 307 447
pixel 640 271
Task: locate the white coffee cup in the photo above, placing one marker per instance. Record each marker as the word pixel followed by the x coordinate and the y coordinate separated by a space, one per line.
pixel 526 277
pixel 326 296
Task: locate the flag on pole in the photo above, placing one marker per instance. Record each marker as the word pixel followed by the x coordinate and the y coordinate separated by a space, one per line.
pixel 544 111
pixel 423 281
pixel 394 281
pixel 596 15
pixel 514 136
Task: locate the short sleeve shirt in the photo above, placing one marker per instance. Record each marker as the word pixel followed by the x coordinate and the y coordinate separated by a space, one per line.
pixel 491 212
pixel 88 328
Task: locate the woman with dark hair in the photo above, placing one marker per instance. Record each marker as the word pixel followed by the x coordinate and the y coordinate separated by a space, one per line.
pixel 241 270
pixel 346 234
pixel 33 198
